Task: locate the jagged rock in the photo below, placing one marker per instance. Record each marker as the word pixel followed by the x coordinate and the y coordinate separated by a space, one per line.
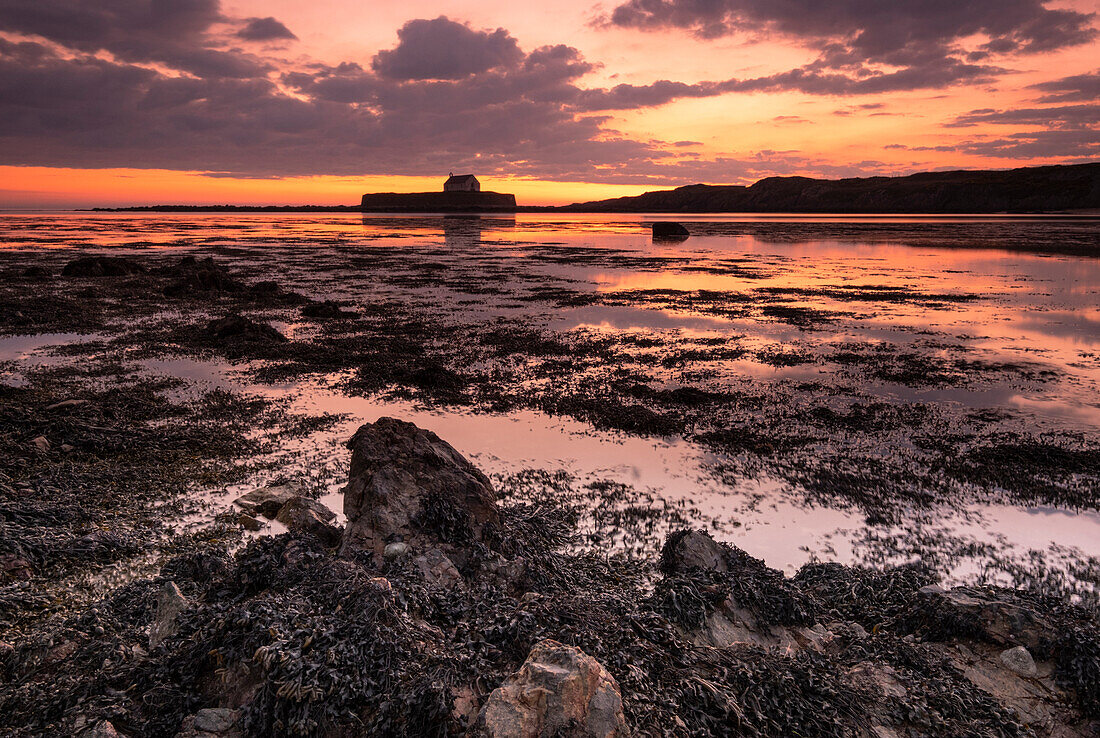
pixel 558 689
pixel 327 310
pixel 41 444
pixel 193 276
pixel 170 603
pixel 692 549
pixel 309 516
pixel 669 231
pixel 438 570
pixel 989 615
pixel 240 328
pixel 213 722
pixel 406 484
pixel 1020 661
pixel 267 501
pixel 101 266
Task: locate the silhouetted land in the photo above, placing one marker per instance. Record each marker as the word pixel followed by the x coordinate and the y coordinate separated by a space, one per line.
pixel 1026 190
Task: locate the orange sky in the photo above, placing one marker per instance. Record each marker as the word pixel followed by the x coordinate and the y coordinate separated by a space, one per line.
pixel 991 92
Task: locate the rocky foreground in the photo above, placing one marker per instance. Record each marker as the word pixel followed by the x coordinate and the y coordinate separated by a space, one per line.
pixel 435 612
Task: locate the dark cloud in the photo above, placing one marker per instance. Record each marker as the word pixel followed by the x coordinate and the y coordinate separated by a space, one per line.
pixel 1071 89
pixel 265 29
pixel 171 32
pixel 1062 116
pixel 443 49
pixel 871 46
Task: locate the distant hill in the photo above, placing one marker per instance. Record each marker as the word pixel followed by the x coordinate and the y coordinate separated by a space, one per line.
pixel 1026 190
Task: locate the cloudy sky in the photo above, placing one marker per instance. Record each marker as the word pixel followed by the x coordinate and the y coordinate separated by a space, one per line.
pixel 139 101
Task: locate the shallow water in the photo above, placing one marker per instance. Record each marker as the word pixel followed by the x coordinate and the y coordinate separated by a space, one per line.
pixel 939 287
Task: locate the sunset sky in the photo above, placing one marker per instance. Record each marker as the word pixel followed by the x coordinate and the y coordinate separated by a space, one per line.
pixel 119 102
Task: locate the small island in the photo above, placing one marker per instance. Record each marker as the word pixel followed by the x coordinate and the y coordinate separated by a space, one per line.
pixel 461 193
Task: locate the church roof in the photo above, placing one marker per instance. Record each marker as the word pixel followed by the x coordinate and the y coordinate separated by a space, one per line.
pixel 460 178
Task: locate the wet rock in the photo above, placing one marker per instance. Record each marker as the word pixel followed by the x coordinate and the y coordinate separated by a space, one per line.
pixel 41 444
pixel 986 614
pixel 36 273
pixel 267 501
pixel 301 514
pixel 240 328
pixel 249 522
pixel 102 729
pixel 213 722
pixel 327 310
pixel 101 266
pixel 669 231
pixel 692 549
pixel 1020 661
pixel 438 570
pixel 193 277
pixel 559 690
pixel 406 484
pixel 170 603
pixel 15 567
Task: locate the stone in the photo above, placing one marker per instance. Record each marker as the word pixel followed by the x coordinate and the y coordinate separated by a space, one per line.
pixel 669 231
pixel 395 550
pixel 267 501
pixel 406 484
pixel 41 443
pixel 170 603
pixel 878 678
pixel 212 722
pixel 559 690
pixel 994 616
pixel 303 515
pixel 438 570
pixel 240 328
pixel 102 729
pixel 327 310
pixel 1020 661
pixel 101 266
pixel 692 549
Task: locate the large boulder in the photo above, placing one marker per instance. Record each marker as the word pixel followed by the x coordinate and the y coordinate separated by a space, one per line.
pixel 559 690
pixel 991 615
pixel 692 549
pixel 664 230
pixel 192 276
pixel 406 484
pixel 268 501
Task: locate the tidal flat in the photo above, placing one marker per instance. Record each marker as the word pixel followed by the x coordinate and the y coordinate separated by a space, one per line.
pixel 917 400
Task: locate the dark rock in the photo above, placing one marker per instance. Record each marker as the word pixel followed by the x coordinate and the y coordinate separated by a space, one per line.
pixel 248 522
pixel 692 549
pixel 988 615
pixel 192 277
pixel 301 514
pixel 267 501
pixel 559 690
pixel 101 266
pixel 438 570
pixel 1020 661
pixel 239 328
pixel 41 444
pixel 327 310
pixel 170 603
pixel 406 484
pixel 669 231
pixel 36 273
pixel 15 567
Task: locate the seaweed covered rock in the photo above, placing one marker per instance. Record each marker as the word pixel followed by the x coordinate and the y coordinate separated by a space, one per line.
pixel 692 549
pixel 406 484
pixel 170 603
pixel 992 616
pixel 102 266
pixel 234 328
pixel 192 277
pixel 213 722
pixel 669 231
pixel 326 310
pixel 559 690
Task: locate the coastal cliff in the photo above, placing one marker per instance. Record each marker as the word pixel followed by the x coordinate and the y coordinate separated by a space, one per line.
pixel 1026 190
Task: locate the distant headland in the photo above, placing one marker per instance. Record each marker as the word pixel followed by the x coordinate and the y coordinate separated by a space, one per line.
pixel 1049 189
